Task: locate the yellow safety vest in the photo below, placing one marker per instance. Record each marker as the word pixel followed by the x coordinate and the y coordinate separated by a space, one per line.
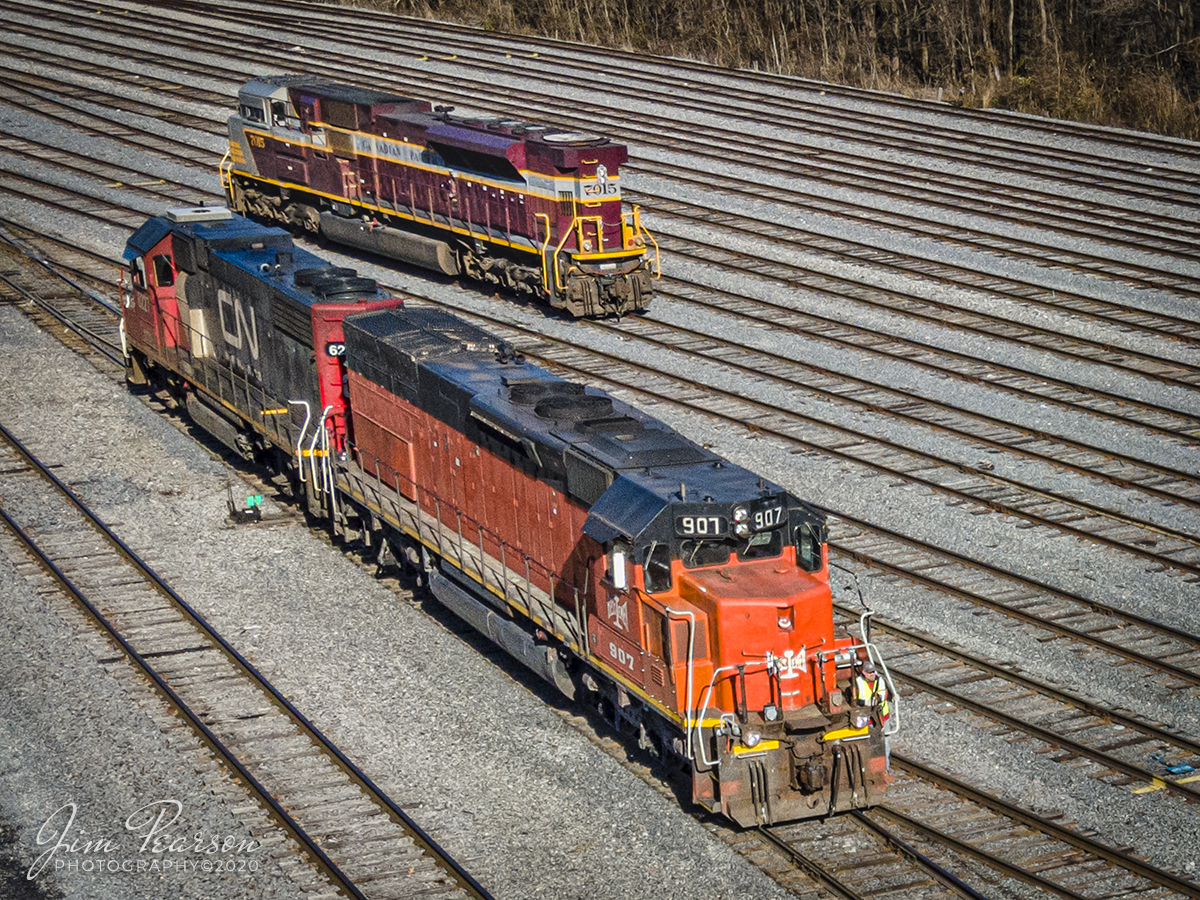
pixel 873 693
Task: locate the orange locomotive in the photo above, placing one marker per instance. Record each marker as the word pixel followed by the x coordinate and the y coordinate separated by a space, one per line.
pixel 685 596
pixel 503 201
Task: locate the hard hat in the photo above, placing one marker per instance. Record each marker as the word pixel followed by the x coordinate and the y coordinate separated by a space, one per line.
pixel 868 668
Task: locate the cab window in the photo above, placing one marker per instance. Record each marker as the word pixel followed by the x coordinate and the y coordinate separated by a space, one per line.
pixel 252 113
pixel 281 116
pixel 703 553
pixel 762 545
pixel 656 568
pixel 164 272
pixel 808 548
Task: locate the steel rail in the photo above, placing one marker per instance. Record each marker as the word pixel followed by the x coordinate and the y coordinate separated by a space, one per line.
pixel 323 863
pixel 1149 555
pixel 942 874
pixel 1038 823
pixel 988 859
pixel 702 149
pixel 930 349
pixel 1000 672
pixel 638 328
pixel 809 867
pixel 409 29
pixel 799 238
pixel 1095 606
pixel 773 83
pixel 356 775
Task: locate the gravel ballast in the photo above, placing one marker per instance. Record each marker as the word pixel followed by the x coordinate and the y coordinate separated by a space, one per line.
pixel 522 798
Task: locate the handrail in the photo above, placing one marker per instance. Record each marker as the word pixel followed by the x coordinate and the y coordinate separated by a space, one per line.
pixel 639 228
pixel 318 431
pixel 545 247
pixel 225 172
pixel 300 437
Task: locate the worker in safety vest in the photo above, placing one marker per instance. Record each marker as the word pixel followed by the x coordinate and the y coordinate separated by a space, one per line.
pixel 870 690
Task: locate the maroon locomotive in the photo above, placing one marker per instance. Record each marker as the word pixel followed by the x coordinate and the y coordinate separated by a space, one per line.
pixel 685 596
pixel 535 209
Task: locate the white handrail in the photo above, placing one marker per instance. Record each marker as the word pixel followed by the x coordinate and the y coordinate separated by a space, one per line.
pixel 300 437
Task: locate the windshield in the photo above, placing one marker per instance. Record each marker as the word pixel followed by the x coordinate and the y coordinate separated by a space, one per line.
pixel 763 545
pixel 704 553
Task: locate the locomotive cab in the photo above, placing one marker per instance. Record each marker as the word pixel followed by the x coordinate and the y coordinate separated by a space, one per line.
pixel 777 733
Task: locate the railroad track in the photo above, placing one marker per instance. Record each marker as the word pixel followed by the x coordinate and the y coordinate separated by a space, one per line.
pixel 648 130
pixel 1174 549
pixel 893 859
pixel 86 320
pixel 1040 607
pixel 478 52
pixel 364 843
pixel 1023 293
pixel 1101 626
pixel 803 101
pixel 960 484
pixel 934 836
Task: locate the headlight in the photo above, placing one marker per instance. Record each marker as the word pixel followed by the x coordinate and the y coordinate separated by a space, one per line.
pixel 742 529
pixel 740 514
pixel 587 246
pixel 751 739
pixel 770 712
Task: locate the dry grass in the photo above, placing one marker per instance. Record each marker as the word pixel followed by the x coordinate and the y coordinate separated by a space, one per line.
pixel 916 48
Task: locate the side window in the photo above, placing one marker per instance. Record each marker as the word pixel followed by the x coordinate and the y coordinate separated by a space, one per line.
pixel 137 273
pixel 252 113
pixel 164 272
pixel 656 568
pixel 808 548
pixel 281 116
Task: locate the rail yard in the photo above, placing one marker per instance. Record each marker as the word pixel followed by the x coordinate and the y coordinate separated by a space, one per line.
pixel 969 337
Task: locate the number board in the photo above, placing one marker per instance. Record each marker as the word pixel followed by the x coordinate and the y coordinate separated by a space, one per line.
pixel 335 349
pixel 767 514
pixel 702 526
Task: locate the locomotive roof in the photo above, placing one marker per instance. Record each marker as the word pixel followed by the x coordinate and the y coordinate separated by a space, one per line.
pixel 261 252
pixel 482 382
pixel 268 85
pixel 483 133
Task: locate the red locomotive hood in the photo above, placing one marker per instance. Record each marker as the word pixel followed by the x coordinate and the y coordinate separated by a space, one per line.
pixel 761 607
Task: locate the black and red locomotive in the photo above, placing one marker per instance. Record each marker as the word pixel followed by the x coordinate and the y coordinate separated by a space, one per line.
pixel 685 595
pixel 535 209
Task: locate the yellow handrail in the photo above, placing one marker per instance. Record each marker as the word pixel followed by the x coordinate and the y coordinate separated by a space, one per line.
pixel 639 228
pixel 545 246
